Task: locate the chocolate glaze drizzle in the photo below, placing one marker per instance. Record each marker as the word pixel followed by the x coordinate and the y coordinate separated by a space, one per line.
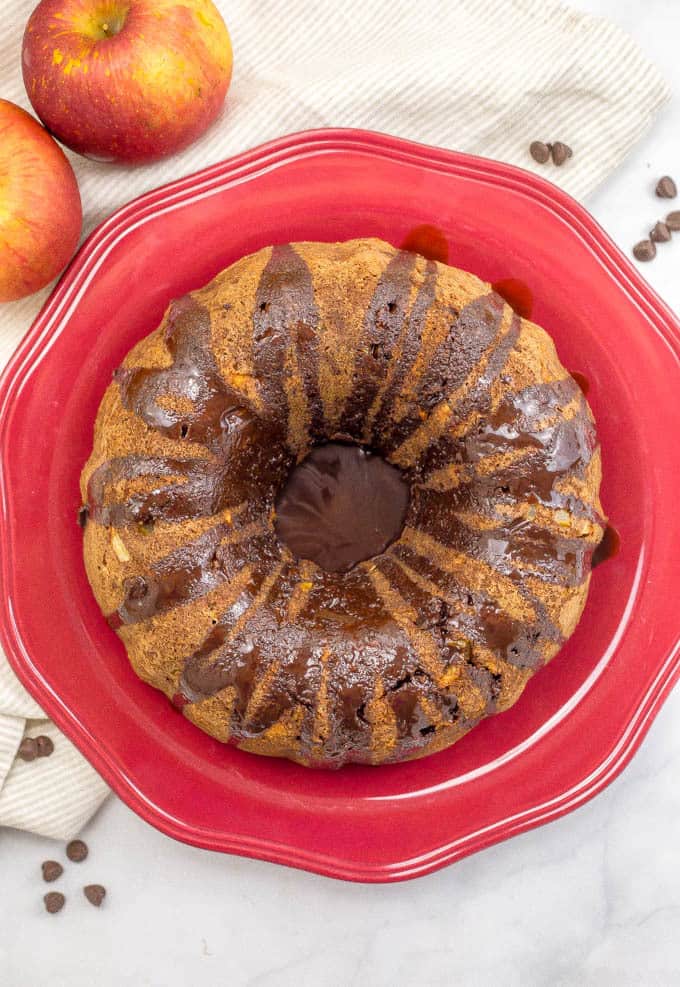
pixel 410 343
pixel 189 573
pixel 382 328
pixel 289 635
pixel 285 313
pixel 217 411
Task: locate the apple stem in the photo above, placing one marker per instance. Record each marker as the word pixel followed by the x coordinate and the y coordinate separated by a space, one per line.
pixel 110 29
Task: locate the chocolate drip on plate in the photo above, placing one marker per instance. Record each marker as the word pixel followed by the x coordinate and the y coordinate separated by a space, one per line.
pixel 608 548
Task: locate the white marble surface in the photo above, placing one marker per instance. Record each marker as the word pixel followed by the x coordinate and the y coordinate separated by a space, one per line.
pixel 590 899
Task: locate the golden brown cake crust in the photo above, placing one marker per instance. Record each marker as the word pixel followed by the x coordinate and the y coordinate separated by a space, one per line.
pixel 191 532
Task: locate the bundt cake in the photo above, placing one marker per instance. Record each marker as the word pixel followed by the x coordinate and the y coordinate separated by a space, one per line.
pixel 342 503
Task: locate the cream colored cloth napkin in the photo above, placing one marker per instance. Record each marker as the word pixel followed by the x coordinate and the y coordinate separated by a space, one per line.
pixel 485 76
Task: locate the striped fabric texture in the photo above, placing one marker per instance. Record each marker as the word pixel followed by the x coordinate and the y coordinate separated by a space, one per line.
pixel 483 76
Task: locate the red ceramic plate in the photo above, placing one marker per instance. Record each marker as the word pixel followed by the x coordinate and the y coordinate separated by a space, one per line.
pixel 579 720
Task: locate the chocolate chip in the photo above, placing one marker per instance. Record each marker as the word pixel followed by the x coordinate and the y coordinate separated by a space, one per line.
pixel 95 894
pixel 51 870
pixel 83 515
pixel 539 151
pixel 673 221
pixel 561 153
pixel 666 188
pixel 77 851
pixel 54 901
pixel 660 233
pixel 28 749
pixel 644 250
pixel 44 745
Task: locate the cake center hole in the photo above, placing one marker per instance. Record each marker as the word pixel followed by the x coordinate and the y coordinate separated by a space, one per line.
pixel 340 506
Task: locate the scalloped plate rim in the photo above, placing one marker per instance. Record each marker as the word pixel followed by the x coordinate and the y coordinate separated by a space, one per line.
pixel 46 326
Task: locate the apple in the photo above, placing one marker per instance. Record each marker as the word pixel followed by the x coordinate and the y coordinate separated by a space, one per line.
pixel 40 212
pixel 127 80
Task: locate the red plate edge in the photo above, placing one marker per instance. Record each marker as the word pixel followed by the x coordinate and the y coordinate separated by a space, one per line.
pixel 242 166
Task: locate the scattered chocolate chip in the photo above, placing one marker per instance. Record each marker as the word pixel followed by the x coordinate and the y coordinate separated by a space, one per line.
pixel 77 851
pixel 561 153
pixel 51 870
pixel 666 188
pixel 644 250
pixel 539 151
pixel 95 894
pixel 54 901
pixel 660 233
pixel 28 749
pixel 45 746
pixel 83 515
pixel 673 221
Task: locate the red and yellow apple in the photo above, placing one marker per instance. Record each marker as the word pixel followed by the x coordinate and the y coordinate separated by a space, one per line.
pixel 40 212
pixel 127 80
